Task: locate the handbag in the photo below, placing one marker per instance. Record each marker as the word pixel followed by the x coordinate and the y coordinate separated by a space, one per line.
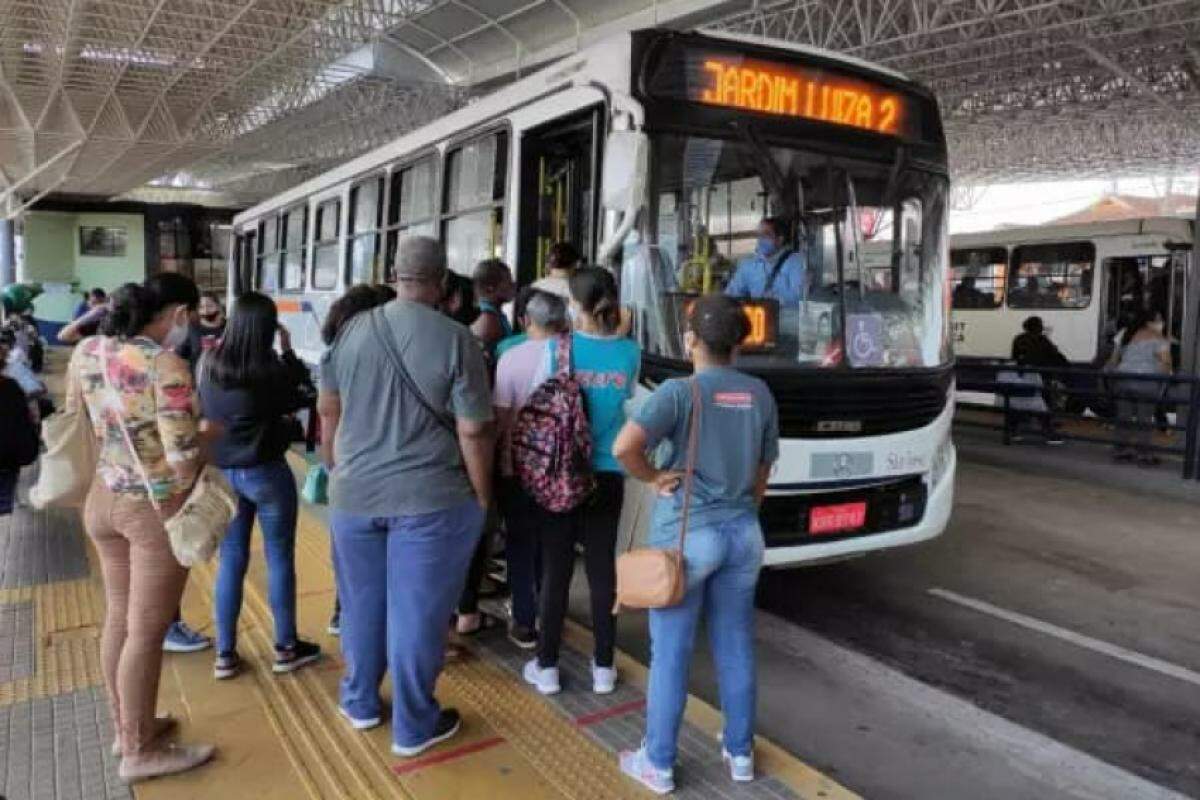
pixel 649 577
pixel 316 485
pixel 69 462
pixel 195 530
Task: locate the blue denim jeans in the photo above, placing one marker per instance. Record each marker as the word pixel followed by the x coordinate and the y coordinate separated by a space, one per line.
pixel 8 489
pixel 268 491
pixel 399 579
pixel 722 563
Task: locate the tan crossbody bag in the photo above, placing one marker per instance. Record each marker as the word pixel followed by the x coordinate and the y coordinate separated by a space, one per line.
pixel 650 577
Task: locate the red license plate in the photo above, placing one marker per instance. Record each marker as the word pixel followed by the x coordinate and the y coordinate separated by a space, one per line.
pixel 837 519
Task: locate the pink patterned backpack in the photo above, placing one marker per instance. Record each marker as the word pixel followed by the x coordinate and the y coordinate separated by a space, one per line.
pixel 552 441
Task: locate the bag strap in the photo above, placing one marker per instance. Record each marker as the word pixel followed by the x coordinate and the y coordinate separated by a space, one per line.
pixel 115 399
pixel 397 360
pixel 689 470
pixel 562 356
pixel 784 255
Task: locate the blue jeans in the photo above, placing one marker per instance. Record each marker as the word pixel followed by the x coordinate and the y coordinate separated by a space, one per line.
pixel 722 564
pixel 8 489
pixel 399 579
pixel 268 490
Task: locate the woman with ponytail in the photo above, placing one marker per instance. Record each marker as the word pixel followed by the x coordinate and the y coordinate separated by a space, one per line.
pixel 606 366
pixel 140 398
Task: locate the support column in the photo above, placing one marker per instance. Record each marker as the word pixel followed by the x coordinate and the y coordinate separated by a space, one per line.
pixel 8 252
pixel 1189 356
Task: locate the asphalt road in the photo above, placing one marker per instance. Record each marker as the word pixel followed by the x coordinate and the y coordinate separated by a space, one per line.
pixel 1048 645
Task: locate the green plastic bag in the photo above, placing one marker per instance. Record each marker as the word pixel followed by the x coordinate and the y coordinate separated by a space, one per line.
pixel 316 485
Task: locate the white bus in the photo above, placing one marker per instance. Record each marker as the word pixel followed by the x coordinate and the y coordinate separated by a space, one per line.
pixel 655 151
pixel 1085 281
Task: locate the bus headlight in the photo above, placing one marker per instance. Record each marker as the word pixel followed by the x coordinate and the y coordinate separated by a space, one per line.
pixel 941 461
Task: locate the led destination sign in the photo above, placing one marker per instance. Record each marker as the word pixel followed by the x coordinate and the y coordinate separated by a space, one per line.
pixel 777 89
pixel 786 89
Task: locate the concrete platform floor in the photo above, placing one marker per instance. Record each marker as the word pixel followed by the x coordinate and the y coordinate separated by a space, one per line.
pixel 282 736
pixel 1047 646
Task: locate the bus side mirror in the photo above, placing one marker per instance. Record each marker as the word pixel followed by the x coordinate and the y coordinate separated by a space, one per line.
pixel 624 181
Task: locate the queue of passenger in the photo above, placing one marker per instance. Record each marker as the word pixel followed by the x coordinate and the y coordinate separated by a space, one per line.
pixel 421 442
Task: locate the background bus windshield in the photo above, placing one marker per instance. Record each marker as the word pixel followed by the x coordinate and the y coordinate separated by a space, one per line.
pixel 870 236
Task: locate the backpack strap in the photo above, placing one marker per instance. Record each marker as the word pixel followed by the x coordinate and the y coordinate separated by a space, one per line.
pixel 562 357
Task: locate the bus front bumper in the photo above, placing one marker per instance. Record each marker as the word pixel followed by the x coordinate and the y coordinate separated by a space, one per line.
pixel 938 506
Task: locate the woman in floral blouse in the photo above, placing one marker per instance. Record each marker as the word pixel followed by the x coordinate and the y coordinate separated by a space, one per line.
pixel 138 393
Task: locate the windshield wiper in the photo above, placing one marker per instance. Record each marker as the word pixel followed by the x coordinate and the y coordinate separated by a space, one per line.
pixel 772 176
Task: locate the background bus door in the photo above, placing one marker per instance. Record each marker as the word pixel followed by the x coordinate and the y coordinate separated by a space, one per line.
pixel 559 169
pixel 247 258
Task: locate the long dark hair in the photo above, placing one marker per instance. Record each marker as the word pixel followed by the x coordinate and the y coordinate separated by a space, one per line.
pixel 1139 321
pixel 135 305
pixel 246 353
pixel 595 289
pixel 357 298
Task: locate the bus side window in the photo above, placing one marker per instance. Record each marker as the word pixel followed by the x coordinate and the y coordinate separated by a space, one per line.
pixel 977 277
pixel 473 202
pixel 267 268
pixel 325 249
pixel 365 218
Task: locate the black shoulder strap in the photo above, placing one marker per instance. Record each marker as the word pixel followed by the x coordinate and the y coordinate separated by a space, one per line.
pixel 389 345
pixel 783 256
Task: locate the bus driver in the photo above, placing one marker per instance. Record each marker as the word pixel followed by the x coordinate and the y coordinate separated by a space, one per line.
pixel 776 270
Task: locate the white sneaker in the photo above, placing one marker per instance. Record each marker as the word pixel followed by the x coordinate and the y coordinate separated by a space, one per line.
pixel 741 768
pixel 636 765
pixel 545 679
pixel 604 679
pixel 360 724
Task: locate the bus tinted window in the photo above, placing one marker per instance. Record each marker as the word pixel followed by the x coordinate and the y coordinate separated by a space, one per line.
pixel 365 199
pixel 325 252
pixel 1052 275
pixel 977 276
pixel 412 208
pixel 473 219
pixel 295 235
pixel 267 269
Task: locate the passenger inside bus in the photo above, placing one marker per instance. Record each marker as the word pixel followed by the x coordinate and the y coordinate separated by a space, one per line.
pixel 967 296
pixel 775 270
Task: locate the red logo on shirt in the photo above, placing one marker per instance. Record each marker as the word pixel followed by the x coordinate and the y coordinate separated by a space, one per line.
pixel 734 400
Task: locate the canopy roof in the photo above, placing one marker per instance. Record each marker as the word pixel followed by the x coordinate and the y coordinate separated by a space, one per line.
pixel 237 99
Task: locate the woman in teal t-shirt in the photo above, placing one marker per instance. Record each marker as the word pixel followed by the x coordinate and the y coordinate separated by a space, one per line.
pixel 606 366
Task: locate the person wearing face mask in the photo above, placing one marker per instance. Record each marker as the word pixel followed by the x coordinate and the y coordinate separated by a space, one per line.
pixel 205 334
pixel 1143 350
pixel 141 399
pixel 776 270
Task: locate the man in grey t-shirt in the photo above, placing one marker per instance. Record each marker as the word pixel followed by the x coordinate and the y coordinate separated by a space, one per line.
pixel 411 465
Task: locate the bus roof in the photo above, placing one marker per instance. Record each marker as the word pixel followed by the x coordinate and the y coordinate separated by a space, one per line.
pixel 804 49
pixel 499 102
pixel 1175 227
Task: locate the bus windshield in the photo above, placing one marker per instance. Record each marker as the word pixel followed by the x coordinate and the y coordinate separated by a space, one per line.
pixel 866 240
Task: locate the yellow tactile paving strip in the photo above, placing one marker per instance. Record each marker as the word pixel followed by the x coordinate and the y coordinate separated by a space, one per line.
pixel 67 615
pixel 282 736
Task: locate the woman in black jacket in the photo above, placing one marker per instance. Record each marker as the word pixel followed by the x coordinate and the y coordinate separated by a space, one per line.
pixel 251 392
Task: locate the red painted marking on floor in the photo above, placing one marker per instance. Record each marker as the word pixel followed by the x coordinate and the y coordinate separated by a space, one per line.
pixel 415 764
pixel 609 713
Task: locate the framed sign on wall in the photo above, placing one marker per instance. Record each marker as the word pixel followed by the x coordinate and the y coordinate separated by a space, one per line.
pixel 103 241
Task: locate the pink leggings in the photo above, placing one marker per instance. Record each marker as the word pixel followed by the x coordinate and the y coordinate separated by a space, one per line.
pixel 143 584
